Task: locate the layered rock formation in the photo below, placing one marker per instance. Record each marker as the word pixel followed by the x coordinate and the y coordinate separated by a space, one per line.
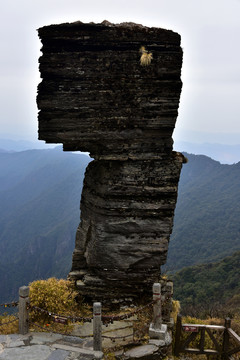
pixel 96 95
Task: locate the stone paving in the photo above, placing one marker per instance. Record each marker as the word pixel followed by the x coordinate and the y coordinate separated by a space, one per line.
pixel 79 346
pixel 49 346
pixel 46 346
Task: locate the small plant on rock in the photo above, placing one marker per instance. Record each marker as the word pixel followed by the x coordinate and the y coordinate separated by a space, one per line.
pixel 146 57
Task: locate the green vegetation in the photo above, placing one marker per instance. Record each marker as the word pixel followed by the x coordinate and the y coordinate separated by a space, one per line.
pixel 40 194
pixel 39 214
pixel 206 224
pixel 210 289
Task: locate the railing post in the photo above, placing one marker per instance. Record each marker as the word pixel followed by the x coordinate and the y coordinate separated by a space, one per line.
pixel 157 307
pixel 178 335
pixel 23 311
pixel 157 330
pixel 97 326
pixel 226 338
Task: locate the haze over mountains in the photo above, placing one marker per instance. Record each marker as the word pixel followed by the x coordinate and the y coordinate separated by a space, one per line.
pixel 39 213
pixel 206 224
pixel 22 145
pixel 225 154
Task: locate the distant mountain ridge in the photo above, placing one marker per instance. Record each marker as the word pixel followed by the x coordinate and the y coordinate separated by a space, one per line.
pixel 226 154
pixel 206 223
pixel 22 145
pixel 39 213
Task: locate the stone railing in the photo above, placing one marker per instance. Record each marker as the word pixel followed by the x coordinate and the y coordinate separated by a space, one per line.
pixel 157 330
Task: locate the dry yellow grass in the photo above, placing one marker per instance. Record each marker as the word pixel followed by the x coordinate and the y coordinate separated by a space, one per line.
pixel 146 57
pixel 11 326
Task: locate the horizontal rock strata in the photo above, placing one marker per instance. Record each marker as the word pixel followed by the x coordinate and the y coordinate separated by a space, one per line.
pixel 96 96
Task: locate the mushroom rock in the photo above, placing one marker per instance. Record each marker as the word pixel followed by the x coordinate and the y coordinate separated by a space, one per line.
pixel 113 90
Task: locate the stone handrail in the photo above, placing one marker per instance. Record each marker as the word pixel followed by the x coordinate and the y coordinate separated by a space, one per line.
pixel 157 329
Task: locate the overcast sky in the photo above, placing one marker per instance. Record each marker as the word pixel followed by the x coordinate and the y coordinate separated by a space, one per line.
pixel 210 31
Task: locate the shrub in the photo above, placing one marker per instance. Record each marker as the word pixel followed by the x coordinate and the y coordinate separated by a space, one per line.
pixel 11 326
pixel 56 297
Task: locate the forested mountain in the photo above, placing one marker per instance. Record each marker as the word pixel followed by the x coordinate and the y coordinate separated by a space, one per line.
pixel 226 154
pixel 40 194
pixel 39 213
pixel 210 289
pixel 206 224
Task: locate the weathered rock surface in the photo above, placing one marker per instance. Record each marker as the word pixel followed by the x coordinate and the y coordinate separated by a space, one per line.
pixel 96 96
